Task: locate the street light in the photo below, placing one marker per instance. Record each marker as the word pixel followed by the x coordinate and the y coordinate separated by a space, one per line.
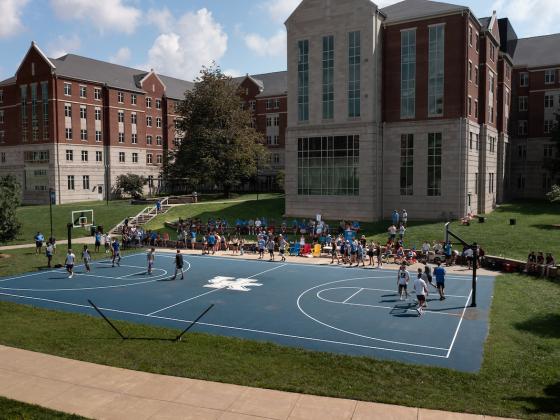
pixel 52 199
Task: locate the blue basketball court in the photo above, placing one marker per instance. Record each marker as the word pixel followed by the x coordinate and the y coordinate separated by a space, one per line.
pixel 322 308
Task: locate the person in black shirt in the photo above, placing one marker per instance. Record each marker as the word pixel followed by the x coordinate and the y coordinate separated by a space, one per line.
pixel 179 265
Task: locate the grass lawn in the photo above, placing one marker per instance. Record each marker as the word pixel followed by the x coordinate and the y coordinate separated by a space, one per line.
pixel 15 410
pixel 37 218
pixel 533 230
pixel 520 376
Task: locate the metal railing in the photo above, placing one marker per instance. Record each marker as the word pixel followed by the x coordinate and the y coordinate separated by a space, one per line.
pixel 147 214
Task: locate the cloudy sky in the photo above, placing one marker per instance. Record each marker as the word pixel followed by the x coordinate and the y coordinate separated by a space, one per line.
pixel 177 37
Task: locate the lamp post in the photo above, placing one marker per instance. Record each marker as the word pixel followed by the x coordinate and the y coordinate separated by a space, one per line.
pixel 257 178
pixel 52 198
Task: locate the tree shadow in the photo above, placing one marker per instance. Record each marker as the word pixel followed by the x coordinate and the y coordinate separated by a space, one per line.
pixel 548 404
pixel 529 207
pixel 547 227
pixel 546 326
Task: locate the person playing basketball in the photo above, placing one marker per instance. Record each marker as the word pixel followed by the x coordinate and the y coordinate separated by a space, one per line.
pixel 116 252
pixel 86 257
pixel 151 256
pixel 403 277
pixel 179 265
pixel 69 263
pixel 421 290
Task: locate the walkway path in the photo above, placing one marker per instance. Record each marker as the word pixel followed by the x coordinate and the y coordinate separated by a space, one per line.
pixel 104 392
pixel 90 240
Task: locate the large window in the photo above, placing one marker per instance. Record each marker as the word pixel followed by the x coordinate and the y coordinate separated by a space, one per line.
pixel 436 70
pixel 303 80
pixel 328 77
pixel 354 59
pixel 434 164
pixel 328 165
pixel 408 73
pixel 407 164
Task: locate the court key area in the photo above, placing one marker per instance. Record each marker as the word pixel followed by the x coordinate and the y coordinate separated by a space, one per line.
pixel 321 308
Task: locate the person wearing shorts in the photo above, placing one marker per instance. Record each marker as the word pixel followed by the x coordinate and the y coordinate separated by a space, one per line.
pixel 179 265
pixel 334 252
pixel 421 290
pixel 282 244
pixel 439 274
pixel 86 258
pixel 49 254
pixel 116 247
pixel 69 263
pixel 39 238
pixel 428 275
pixel 270 246
pixel 151 256
pixel 261 245
pixel 97 241
pixel 403 277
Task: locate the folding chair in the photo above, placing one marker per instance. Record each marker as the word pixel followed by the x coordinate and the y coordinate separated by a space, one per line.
pixel 294 249
pixel 317 250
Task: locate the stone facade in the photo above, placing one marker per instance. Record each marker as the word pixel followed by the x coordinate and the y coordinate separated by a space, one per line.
pixel 311 21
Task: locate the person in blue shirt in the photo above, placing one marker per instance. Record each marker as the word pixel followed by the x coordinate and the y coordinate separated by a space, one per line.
pixel 39 239
pixel 211 243
pixel 116 252
pixel 447 250
pixel 395 217
pixel 97 241
pixel 261 244
pixel 439 274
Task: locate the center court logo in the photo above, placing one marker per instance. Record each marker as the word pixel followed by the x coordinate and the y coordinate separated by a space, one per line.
pixel 231 283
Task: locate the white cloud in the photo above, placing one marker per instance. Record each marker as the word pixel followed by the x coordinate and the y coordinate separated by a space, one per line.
pixel 162 19
pixel 122 56
pixel 105 15
pixel 231 72
pixel 11 10
pixel 63 45
pixel 533 17
pixel 280 10
pixel 267 47
pixel 195 40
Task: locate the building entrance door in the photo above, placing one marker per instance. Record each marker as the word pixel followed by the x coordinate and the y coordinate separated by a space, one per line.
pixel 100 192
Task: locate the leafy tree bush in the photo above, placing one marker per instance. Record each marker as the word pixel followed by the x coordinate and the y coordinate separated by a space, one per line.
pixel 10 200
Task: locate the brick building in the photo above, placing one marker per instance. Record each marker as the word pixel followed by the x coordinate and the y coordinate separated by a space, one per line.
pixel 424 90
pixel 74 124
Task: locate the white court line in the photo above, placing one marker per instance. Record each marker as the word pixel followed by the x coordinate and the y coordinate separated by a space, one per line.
pixel 350 332
pixel 458 326
pixel 59 270
pixel 359 290
pixel 381 290
pixel 207 293
pixel 234 328
pixel 140 272
pixel 465 277
pixel 376 306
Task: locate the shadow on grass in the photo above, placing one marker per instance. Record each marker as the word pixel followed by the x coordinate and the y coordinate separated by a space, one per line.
pixel 529 207
pixel 543 325
pixel 547 227
pixel 548 404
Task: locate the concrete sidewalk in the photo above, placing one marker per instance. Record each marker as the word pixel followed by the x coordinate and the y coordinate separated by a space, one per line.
pixel 103 392
pixel 90 240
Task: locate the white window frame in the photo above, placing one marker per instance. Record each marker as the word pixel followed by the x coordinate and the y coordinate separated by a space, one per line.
pixel 524 79
pixel 120 97
pixel 122 157
pixel 67 89
pixel 523 104
pixel 134 157
pixel 550 76
pixel 83 91
pixel 97 94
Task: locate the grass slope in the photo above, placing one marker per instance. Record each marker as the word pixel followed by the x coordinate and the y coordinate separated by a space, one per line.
pixel 15 410
pixel 533 230
pixel 37 218
pixel 519 377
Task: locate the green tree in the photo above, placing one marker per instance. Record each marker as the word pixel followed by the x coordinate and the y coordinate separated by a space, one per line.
pixel 554 195
pixel 10 199
pixel 220 147
pixel 131 184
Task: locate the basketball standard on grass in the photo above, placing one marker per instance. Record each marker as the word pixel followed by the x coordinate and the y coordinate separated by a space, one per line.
pixel 474 247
